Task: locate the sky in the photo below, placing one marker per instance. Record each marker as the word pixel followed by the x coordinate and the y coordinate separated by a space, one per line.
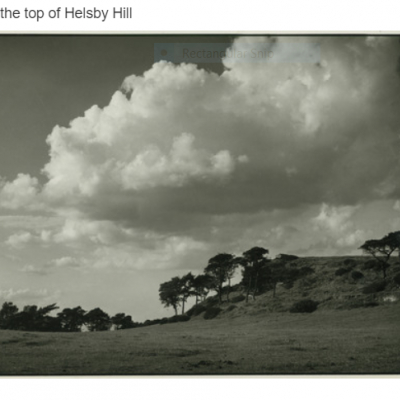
pixel 118 173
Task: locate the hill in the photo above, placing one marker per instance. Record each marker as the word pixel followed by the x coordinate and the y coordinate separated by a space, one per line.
pixel 353 330
pixel 334 283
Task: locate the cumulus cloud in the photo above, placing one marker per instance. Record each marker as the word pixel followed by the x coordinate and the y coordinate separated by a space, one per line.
pixel 20 193
pixel 179 148
pixel 19 240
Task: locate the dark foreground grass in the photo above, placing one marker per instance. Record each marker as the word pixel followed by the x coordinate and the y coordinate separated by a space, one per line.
pixel 362 341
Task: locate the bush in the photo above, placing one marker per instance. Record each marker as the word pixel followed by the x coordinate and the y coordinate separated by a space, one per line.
pixel 396 279
pixel 196 310
pixel 349 262
pixel 230 308
pixel 212 312
pixel 304 306
pixel 179 318
pixel 238 298
pixel 304 271
pixel 212 301
pixel 374 287
pixel 342 271
pixel 370 264
pixel 356 275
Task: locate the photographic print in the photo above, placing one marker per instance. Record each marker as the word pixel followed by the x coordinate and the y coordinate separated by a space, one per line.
pixel 199 205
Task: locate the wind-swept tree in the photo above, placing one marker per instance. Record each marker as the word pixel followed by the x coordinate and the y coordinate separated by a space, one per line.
pixel 72 319
pixel 32 318
pixel 186 289
pixel 201 286
pixel 97 320
pixel 253 262
pixel 277 272
pixel 170 293
pixel 382 249
pixel 7 313
pixel 220 269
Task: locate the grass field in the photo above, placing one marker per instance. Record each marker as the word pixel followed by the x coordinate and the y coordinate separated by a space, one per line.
pixel 359 341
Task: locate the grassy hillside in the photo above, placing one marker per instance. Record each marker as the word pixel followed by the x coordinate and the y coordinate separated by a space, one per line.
pixel 350 332
pixel 335 283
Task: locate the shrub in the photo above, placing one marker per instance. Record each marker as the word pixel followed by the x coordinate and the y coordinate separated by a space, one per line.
pixel 374 287
pixel 238 298
pixel 356 275
pixel 179 318
pixel 212 301
pixel 196 310
pixel 212 312
pixel 342 271
pixel 349 262
pixel 230 308
pixel 304 271
pixel 304 306
pixel 396 279
pixel 370 264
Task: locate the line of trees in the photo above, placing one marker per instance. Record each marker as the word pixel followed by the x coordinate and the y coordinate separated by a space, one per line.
pixel 33 318
pixel 258 274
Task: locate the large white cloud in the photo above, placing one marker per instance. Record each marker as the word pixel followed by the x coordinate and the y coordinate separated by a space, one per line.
pixel 183 152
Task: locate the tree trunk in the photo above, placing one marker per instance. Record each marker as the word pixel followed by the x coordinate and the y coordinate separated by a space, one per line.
pixel 229 289
pixel 183 307
pixel 176 310
pixel 220 294
pixel 255 286
pixel 197 299
pixel 248 290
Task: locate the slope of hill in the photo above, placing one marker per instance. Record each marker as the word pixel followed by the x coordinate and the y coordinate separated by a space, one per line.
pixel 353 331
pixel 335 283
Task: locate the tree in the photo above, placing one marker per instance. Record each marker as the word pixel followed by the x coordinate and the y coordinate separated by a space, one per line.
pixel 219 269
pixel 253 262
pixel 393 241
pixel 32 318
pixel 72 319
pixel 278 273
pixel 7 312
pixel 201 286
pixel 382 249
pixel 170 293
pixel 186 289
pixel 97 320
pixel 122 321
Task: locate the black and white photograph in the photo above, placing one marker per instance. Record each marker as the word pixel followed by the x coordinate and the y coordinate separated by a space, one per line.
pixel 199 204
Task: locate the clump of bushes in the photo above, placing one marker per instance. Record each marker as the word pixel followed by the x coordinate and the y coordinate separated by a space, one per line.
pixel 212 312
pixel 196 310
pixel 179 318
pixel 238 298
pixel 374 287
pixel 212 301
pixel 342 271
pixel 304 271
pixel 349 262
pixel 356 275
pixel 370 264
pixel 304 306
